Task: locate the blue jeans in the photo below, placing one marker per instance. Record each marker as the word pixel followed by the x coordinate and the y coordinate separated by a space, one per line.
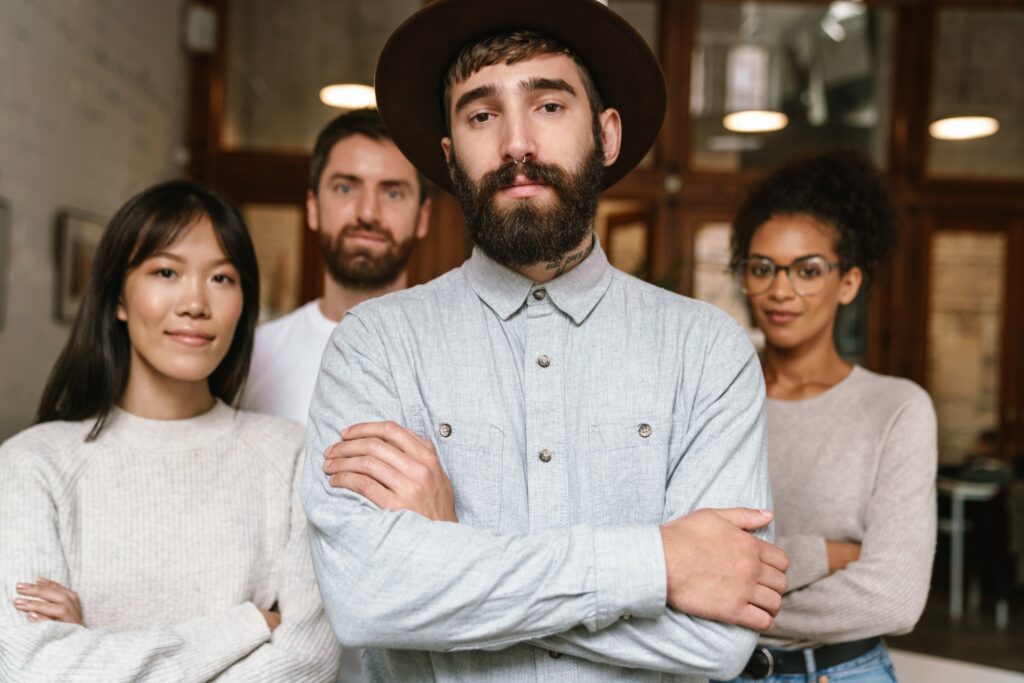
pixel 871 667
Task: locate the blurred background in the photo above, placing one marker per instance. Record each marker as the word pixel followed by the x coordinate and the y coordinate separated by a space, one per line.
pixel 101 98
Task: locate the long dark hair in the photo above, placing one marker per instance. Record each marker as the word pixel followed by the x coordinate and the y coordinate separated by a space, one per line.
pixel 91 373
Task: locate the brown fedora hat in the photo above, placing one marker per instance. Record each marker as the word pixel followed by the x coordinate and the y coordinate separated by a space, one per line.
pixel 416 57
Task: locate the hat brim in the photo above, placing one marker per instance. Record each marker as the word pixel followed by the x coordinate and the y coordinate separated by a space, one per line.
pixel 416 57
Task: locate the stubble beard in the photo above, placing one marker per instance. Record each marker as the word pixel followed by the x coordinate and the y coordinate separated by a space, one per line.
pixel 360 269
pixel 525 234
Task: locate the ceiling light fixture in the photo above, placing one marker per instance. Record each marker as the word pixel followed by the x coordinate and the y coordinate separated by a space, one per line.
pixel 752 91
pixel 348 96
pixel 963 127
pixel 755 121
pixel 961 115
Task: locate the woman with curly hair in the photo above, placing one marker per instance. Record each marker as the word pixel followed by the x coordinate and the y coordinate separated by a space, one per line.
pixel 149 531
pixel 852 454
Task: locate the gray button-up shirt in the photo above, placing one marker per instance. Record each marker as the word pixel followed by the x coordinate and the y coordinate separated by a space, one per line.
pixel 650 406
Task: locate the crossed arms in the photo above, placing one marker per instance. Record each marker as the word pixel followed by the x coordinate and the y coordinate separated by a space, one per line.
pixel 396 571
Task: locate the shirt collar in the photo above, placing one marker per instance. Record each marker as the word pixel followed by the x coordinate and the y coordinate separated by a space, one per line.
pixel 576 292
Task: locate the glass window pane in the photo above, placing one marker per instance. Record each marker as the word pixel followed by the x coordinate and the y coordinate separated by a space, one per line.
pixel 277 235
pixel 712 281
pixel 624 228
pixel 279 56
pixel 979 68
pixel 825 68
pixel 964 327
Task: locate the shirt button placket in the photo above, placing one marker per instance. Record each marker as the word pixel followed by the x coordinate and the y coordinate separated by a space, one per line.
pixel 547 330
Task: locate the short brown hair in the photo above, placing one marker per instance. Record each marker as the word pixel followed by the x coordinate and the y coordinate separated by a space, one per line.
pixel 365 122
pixel 512 47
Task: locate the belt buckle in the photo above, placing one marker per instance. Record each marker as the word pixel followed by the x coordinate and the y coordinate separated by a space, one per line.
pixel 761 664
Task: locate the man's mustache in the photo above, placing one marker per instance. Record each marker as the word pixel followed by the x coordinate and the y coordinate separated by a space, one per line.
pixel 373 228
pixel 505 176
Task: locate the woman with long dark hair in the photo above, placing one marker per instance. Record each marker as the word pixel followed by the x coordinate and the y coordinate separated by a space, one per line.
pixel 852 454
pixel 149 531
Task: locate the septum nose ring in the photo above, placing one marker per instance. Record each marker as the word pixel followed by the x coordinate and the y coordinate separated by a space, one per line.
pixel 517 162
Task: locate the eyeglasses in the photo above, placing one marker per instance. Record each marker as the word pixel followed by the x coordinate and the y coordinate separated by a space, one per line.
pixel 806 275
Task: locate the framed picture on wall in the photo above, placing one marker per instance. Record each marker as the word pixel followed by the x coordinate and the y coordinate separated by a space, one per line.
pixel 5 256
pixel 78 234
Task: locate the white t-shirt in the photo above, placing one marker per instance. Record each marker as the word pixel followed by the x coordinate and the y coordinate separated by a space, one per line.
pixel 285 363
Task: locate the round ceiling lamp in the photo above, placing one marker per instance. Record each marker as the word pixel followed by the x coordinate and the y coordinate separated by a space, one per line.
pixel 963 127
pixel 755 121
pixel 348 96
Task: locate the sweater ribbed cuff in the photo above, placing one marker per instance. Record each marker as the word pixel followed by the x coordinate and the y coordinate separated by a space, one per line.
pixel 226 638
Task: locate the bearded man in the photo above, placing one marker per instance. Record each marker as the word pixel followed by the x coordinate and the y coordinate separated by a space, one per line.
pixel 368 207
pixel 548 470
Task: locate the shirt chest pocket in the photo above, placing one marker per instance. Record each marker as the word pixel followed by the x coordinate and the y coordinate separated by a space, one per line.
pixel 471 453
pixel 627 465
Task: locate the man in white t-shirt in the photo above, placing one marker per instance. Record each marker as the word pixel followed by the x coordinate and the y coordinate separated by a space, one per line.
pixel 368 205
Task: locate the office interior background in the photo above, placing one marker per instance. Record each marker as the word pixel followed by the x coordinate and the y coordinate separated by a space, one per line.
pixel 102 98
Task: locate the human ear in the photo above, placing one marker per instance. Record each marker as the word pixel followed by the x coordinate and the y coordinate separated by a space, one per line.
pixel 423 219
pixel 849 285
pixel 312 213
pixel 611 134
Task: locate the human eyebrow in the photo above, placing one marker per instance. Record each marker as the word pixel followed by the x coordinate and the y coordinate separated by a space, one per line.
pixel 470 96
pixel 798 258
pixel 538 83
pixel 343 176
pixel 392 184
pixel 160 253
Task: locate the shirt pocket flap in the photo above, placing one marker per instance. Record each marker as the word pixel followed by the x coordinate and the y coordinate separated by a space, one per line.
pixel 471 452
pixel 627 468
pixel 617 436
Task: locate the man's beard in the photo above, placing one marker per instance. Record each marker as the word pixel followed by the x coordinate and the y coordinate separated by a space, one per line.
pixel 524 234
pixel 358 267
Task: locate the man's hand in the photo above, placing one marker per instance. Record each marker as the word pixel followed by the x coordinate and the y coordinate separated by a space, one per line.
pixel 392 467
pixel 840 554
pixel 719 571
pixel 49 601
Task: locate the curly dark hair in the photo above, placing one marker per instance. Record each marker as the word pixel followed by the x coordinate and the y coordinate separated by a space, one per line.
pixel 841 188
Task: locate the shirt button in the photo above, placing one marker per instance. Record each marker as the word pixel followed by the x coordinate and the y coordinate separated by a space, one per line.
pixel 539 294
pixel 445 429
pixel 645 430
pixel 545 455
pixel 555 655
pixel 626 617
pixel 543 361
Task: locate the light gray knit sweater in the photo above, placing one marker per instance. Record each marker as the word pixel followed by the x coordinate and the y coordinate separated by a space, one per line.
pixel 856 463
pixel 173 533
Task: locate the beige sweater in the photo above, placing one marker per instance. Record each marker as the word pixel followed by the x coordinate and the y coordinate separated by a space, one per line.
pixel 856 463
pixel 174 534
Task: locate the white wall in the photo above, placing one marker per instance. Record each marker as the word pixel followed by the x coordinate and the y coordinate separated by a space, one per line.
pixel 92 110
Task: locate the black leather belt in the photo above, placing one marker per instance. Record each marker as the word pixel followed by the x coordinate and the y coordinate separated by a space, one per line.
pixel 766 661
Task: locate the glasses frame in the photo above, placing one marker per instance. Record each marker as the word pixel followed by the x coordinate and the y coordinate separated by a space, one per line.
pixel 775 268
